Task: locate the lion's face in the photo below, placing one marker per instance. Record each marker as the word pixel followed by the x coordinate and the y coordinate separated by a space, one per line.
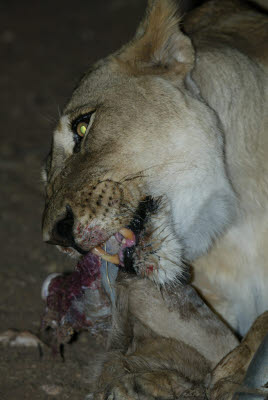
pixel 136 149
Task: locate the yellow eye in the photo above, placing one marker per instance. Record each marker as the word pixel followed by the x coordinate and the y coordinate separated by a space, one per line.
pixel 81 128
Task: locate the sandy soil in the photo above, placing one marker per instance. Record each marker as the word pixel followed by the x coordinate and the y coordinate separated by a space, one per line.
pixel 45 46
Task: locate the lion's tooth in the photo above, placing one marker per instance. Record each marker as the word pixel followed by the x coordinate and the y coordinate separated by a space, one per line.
pixel 112 258
pixel 127 233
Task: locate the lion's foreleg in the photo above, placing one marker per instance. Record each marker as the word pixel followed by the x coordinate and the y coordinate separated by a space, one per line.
pixel 158 367
pixel 227 377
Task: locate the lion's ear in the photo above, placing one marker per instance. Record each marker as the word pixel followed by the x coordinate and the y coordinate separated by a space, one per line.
pixel 159 45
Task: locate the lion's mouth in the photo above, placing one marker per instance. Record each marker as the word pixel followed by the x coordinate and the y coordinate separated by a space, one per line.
pixel 118 249
pixel 125 238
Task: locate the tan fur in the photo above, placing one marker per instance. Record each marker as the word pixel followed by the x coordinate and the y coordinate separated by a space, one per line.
pixel 236 269
pixel 155 51
pixel 159 343
pixel 168 344
pixel 192 133
pixel 180 118
pixel 227 376
pixel 187 124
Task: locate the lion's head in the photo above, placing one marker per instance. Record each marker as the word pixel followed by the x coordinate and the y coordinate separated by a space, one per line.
pixel 137 148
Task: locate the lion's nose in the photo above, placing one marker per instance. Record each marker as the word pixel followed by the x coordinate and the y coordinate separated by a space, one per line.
pixel 62 232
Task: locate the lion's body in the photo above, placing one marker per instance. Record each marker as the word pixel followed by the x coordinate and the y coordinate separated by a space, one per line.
pixel 232 74
pixel 182 121
pixel 185 124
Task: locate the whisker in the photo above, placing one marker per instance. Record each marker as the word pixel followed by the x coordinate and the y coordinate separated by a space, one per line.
pixel 48 118
pixel 140 174
pixel 59 111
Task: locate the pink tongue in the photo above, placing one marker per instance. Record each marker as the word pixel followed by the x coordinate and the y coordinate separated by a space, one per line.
pixel 127 243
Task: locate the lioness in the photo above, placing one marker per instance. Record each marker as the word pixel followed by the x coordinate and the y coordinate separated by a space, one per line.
pixel 162 147
pixel 180 118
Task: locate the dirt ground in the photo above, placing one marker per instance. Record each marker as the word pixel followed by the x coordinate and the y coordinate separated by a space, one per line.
pixel 45 46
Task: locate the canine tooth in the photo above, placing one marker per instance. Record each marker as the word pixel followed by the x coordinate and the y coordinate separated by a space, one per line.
pixel 127 233
pixel 112 258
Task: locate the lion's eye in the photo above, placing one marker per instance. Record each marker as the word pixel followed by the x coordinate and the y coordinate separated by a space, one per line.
pixel 81 128
pixel 81 125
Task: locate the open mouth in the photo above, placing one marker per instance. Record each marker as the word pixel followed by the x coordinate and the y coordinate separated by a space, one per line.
pixel 78 300
pixel 115 250
pixel 119 248
pixel 125 238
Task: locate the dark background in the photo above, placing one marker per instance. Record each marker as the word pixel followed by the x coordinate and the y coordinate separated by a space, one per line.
pixel 44 48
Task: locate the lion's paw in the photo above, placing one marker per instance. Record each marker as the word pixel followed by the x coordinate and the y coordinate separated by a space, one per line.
pixel 146 386
pixel 121 391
